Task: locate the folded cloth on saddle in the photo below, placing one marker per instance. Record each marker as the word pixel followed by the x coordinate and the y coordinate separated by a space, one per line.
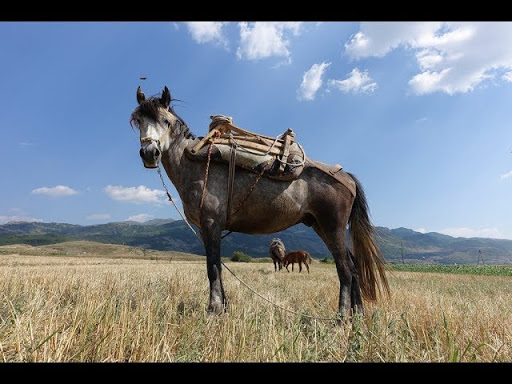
pixel 243 158
pixel 282 158
pixel 255 162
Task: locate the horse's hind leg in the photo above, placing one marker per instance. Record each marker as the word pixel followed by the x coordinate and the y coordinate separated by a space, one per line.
pixel 334 239
pixel 307 266
pixel 355 296
pixel 300 266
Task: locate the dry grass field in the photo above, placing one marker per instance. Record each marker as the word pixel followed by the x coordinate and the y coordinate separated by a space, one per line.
pixel 88 302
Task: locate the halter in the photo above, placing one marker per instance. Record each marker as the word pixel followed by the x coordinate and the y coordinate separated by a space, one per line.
pixel 150 139
pixel 157 141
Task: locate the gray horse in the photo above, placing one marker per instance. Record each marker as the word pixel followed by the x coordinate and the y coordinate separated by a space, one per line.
pixel 277 251
pixel 329 200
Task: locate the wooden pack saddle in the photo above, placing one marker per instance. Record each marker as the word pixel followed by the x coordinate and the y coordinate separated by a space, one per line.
pixel 280 158
pixel 277 157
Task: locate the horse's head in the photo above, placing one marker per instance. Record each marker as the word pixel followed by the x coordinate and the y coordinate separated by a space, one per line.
pixel 154 119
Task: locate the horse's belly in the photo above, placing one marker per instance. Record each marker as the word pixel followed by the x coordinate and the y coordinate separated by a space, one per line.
pixel 269 209
pixel 264 224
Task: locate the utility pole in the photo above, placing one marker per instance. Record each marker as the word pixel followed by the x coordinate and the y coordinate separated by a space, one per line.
pixel 480 257
pixel 402 250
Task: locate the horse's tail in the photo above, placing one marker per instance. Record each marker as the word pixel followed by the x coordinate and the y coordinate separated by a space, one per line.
pixel 308 259
pixel 364 248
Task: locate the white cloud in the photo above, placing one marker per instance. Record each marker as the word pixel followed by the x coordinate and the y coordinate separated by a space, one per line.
pixel 140 218
pixel 491 233
pixel 507 77
pixel 312 81
pixel 421 230
pixel 451 57
pixel 380 38
pixel 137 195
pixel 506 175
pixel 207 32
pixel 425 82
pixel 266 39
pixel 99 216
pixel 6 219
pixel 26 144
pixel 357 82
pixel 58 191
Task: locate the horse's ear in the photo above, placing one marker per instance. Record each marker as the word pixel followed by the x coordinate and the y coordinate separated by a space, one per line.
pixel 140 95
pixel 165 100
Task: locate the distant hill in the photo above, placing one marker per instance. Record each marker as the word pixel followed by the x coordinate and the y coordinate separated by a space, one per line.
pixel 397 245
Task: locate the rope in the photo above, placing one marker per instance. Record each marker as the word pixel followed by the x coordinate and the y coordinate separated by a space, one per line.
pixel 241 148
pixel 217 134
pixel 175 206
pixel 224 265
pixel 271 302
pixel 251 188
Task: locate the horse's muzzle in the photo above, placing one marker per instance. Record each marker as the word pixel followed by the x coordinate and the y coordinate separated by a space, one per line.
pixel 150 156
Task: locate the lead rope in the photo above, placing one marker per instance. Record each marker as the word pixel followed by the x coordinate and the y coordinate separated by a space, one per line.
pixel 174 203
pixel 225 266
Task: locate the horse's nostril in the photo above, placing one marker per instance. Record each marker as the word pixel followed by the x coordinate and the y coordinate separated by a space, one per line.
pixel 157 153
pixel 141 152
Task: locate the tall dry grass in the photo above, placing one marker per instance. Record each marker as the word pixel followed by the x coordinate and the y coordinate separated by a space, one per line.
pixel 69 309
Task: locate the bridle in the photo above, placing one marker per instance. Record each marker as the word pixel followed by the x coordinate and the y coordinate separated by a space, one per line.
pixel 149 139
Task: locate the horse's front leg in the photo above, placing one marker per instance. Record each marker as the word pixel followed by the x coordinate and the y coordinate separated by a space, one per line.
pixel 211 234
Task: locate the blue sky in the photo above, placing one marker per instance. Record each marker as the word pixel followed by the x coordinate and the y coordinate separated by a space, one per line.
pixel 420 112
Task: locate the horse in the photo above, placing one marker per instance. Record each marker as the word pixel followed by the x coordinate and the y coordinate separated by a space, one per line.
pixel 315 197
pixel 297 257
pixel 277 251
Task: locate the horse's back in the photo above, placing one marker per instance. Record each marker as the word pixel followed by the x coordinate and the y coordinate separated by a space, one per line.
pixel 298 256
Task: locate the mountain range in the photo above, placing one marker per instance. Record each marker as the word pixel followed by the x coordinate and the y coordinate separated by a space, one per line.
pixel 400 245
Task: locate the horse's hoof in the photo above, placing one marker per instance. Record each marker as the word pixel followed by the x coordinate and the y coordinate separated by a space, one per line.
pixel 216 308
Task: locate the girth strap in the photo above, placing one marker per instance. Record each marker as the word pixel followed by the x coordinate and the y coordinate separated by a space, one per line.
pixel 231 179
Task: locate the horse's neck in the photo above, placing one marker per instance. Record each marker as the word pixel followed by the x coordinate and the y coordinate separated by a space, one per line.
pixel 174 159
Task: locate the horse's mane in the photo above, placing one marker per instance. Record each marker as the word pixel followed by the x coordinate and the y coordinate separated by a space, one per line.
pixel 151 108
